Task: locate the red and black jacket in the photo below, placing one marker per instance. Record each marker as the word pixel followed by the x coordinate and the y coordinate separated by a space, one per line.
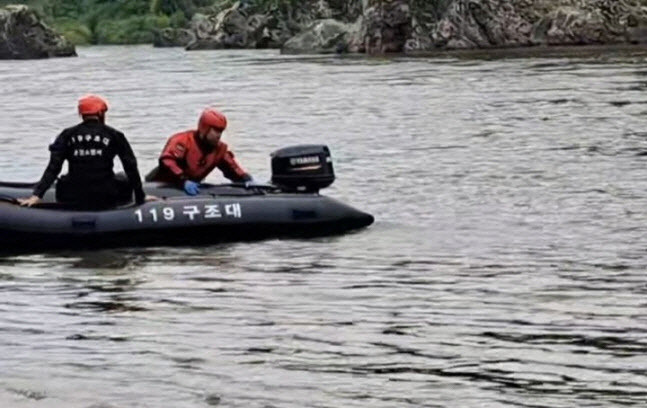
pixel 185 158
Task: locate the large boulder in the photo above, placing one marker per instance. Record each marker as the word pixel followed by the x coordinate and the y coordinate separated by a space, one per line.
pixel 413 25
pixel 513 23
pixel 384 27
pixel 173 37
pixel 636 30
pixel 479 24
pixel 23 36
pixel 227 29
pixel 237 27
pixel 323 37
pixel 590 22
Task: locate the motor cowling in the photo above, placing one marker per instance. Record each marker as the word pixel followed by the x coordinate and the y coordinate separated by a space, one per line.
pixel 303 168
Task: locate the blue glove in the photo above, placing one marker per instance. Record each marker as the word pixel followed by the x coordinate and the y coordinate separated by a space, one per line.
pixel 191 187
pixel 252 183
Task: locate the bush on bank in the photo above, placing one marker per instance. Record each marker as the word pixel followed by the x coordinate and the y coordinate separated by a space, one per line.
pixel 118 21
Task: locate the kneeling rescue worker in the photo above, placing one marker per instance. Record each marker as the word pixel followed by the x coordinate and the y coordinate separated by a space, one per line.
pixel 190 156
pixel 90 148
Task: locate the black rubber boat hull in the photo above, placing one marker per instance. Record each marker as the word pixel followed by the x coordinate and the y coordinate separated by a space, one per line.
pixel 221 214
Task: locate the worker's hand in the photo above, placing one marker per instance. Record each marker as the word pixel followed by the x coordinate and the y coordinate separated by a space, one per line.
pixel 191 187
pixel 28 202
pixel 252 183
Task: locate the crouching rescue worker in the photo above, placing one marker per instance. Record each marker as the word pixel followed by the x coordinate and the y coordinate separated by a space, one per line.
pixel 190 156
pixel 90 148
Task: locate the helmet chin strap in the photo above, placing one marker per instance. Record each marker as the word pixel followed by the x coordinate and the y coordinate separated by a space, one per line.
pixel 99 117
pixel 202 141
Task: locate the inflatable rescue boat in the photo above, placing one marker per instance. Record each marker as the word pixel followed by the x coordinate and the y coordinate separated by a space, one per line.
pixel 290 206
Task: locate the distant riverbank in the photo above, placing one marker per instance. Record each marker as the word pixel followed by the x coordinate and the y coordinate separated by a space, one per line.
pixel 352 26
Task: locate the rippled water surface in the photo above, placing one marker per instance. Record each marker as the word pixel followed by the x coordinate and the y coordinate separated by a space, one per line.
pixel 506 268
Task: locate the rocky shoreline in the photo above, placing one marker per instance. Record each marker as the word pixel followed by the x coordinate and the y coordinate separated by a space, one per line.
pixel 24 36
pixel 368 26
pixel 414 26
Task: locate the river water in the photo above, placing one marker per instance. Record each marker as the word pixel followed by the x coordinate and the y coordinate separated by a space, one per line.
pixel 506 266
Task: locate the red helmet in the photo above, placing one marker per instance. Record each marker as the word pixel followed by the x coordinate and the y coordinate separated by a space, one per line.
pixel 211 118
pixel 92 105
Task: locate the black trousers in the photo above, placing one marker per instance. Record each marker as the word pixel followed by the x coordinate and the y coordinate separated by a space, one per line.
pixel 95 195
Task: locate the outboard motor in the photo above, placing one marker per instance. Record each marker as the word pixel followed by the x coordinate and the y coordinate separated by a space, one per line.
pixel 303 168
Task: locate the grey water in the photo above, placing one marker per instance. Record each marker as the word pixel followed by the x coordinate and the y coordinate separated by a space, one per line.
pixel 506 267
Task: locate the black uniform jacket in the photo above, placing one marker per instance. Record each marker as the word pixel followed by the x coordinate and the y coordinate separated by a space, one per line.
pixel 90 148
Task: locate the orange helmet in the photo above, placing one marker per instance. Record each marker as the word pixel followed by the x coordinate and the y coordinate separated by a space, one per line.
pixel 211 118
pixel 92 105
